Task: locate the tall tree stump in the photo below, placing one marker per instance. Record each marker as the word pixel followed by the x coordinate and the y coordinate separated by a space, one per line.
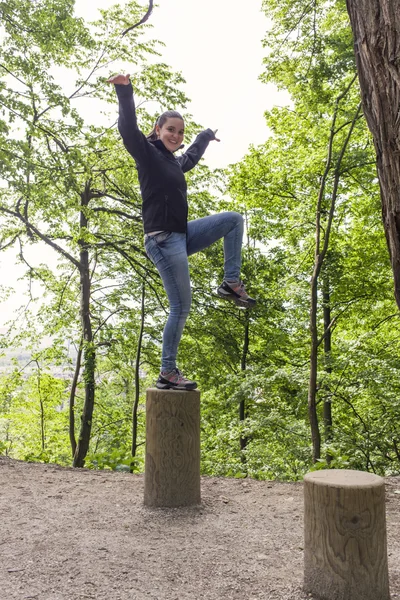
pixel 172 463
pixel 345 550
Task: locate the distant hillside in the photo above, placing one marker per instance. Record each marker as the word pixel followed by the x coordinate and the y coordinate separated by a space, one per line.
pixel 20 357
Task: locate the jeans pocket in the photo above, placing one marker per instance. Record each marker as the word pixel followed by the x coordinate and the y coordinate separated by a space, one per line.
pixel 153 249
pixel 161 237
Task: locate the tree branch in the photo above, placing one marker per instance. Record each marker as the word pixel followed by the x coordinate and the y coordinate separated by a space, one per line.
pixel 146 16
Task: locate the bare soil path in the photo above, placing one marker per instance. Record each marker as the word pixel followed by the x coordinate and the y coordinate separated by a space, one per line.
pixel 68 534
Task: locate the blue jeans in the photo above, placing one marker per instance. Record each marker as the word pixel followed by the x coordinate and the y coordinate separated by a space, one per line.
pixel 169 252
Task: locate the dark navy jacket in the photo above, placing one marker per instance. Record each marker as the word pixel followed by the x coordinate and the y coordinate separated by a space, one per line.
pixel 161 174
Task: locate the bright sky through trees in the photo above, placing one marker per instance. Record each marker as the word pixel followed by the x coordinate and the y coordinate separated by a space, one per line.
pixel 217 45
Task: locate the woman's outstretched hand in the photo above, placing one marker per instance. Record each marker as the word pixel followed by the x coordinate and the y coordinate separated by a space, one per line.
pixel 215 134
pixel 119 79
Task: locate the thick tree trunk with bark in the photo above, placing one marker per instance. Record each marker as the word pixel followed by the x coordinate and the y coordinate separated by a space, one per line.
pixel 376 29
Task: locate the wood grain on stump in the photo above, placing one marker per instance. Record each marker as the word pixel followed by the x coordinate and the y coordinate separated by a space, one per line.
pixel 345 548
pixel 172 463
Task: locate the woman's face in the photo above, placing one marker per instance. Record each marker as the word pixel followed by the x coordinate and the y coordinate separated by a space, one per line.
pixel 171 133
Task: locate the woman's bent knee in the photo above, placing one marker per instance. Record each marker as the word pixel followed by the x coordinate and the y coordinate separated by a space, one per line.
pixel 236 217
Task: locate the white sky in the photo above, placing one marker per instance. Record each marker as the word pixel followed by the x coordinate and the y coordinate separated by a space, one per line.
pixel 216 44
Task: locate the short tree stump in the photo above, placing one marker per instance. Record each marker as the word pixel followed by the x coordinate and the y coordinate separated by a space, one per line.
pixel 172 462
pixel 345 547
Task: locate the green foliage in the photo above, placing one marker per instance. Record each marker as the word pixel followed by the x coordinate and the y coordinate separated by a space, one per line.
pixel 33 420
pixel 69 184
pixel 310 55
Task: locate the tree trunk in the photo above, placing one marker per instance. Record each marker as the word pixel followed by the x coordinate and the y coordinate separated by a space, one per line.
pixel 376 27
pixel 322 239
pixel 242 405
pixel 312 384
pixel 72 437
pixel 89 351
pixel 326 298
pixel 137 387
pixel 42 415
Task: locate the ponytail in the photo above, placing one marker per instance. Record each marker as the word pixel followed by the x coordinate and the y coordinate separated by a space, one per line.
pixel 153 134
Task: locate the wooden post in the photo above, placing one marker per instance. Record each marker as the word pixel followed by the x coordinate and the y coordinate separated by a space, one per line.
pixel 345 550
pixel 172 463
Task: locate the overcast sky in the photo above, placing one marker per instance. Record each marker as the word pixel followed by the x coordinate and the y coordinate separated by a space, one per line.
pixel 217 45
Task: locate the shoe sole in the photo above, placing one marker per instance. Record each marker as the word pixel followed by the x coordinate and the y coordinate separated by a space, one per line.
pixel 236 300
pixel 170 386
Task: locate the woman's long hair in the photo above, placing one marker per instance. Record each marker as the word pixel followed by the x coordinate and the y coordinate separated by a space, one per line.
pixel 168 114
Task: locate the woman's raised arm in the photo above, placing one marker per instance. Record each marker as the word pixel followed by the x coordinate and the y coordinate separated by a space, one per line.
pixel 134 140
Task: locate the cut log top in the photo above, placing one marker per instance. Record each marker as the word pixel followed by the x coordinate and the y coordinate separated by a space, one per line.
pixel 155 390
pixel 344 478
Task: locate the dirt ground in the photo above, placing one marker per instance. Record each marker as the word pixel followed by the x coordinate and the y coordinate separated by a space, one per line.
pixel 68 534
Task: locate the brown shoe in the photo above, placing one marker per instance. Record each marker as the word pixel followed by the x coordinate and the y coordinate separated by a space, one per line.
pixel 236 292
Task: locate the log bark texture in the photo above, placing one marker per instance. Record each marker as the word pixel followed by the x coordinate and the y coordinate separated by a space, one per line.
pixel 376 30
pixel 172 462
pixel 345 547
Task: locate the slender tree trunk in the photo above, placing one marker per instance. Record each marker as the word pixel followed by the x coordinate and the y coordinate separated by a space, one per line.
pixel 376 29
pixel 243 363
pixel 396 449
pixel 242 406
pixel 326 298
pixel 42 415
pixel 312 384
pixel 89 351
pixel 322 239
pixel 137 382
pixel 72 437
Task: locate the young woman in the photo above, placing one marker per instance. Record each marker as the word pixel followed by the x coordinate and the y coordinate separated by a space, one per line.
pixel 169 237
